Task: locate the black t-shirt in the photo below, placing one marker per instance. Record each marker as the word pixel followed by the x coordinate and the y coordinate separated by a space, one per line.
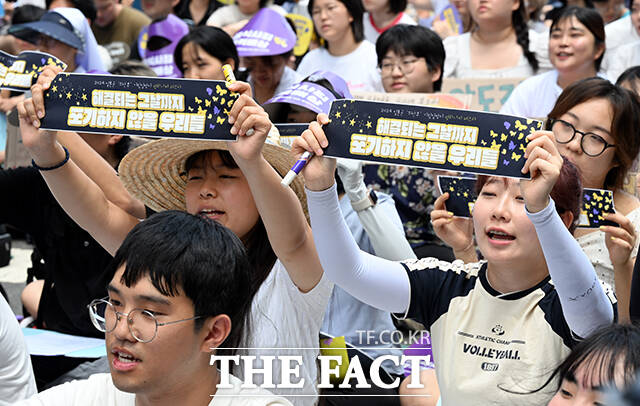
pixel 74 264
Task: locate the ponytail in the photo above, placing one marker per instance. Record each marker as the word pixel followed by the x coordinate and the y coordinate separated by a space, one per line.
pixel 519 23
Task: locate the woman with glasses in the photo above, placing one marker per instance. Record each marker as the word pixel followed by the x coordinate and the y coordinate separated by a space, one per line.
pixel 595 124
pixel 410 59
pixel 576 49
pixel 345 52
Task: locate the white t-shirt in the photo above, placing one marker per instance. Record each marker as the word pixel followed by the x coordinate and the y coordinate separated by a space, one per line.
pixel 282 317
pixel 457 64
pixel 535 96
pixel 621 59
pixel 231 14
pixel 16 375
pixel 99 390
pixel 358 69
pixel 620 32
pixel 371 32
pixel 594 246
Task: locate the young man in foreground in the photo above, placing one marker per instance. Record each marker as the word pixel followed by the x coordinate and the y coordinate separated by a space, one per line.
pixel 180 290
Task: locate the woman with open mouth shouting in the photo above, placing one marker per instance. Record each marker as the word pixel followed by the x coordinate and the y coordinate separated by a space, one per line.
pixel 499 324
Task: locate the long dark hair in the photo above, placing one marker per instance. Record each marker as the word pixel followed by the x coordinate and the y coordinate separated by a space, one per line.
pixel 519 23
pixel 213 40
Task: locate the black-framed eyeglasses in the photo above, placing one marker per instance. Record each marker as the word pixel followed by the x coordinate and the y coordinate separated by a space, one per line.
pixel 592 144
pixel 143 325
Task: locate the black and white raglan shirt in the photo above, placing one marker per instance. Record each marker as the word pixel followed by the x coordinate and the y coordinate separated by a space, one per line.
pixel 489 348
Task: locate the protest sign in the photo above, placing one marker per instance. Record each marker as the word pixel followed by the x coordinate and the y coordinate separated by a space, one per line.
pixel 18 73
pixel 487 94
pixel 429 137
pixel 596 203
pixel 447 100
pixel 16 155
pixel 134 105
pixel 288 132
pixel 304 32
pixel 462 194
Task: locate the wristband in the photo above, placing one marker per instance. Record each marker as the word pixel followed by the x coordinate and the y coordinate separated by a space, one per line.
pixel 369 201
pixel 56 166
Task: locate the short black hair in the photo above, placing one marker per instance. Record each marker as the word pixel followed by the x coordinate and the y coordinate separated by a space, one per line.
pixel 215 41
pixel 178 251
pixel 87 7
pixel 630 76
pixel 608 354
pixel 26 14
pixel 588 17
pixel 415 40
pixel 356 11
pixel 397 6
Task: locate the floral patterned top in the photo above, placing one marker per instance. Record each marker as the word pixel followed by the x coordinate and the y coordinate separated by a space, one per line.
pixel 414 191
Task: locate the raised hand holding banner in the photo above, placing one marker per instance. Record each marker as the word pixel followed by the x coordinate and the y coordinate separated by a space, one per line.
pixel 429 137
pixel 134 105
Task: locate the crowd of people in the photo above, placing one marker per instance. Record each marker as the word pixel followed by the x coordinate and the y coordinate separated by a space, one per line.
pixel 180 251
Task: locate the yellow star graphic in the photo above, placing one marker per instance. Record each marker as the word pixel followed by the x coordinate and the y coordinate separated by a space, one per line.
pixel 68 95
pixel 338 114
pixel 465 194
pixel 84 96
pixel 352 122
pixel 54 89
pixel 368 124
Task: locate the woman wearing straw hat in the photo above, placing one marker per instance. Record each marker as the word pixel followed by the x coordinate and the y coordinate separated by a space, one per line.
pixel 234 183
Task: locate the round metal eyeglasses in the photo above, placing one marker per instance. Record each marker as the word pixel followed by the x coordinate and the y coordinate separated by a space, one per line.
pixel 143 324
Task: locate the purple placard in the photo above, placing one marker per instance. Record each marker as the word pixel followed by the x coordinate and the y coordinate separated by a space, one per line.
pixel 267 33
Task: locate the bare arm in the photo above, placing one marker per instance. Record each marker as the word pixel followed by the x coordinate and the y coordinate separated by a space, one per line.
pixel 280 210
pixel 620 242
pixel 99 171
pixel 78 195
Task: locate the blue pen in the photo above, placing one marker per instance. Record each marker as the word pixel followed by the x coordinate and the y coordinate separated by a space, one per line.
pixel 297 168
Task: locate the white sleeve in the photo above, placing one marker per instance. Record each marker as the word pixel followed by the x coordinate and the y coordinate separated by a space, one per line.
pixel 585 305
pixel 307 63
pixel 381 221
pixel 451 61
pixel 513 105
pixel 388 240
pixel 539 45
pixel 378 282
pixel 221 17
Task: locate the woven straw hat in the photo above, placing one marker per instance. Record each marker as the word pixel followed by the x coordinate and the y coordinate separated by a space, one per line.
pixel 154 172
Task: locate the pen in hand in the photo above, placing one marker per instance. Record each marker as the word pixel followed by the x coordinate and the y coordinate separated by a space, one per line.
pixel 230 78
pixel 297 168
